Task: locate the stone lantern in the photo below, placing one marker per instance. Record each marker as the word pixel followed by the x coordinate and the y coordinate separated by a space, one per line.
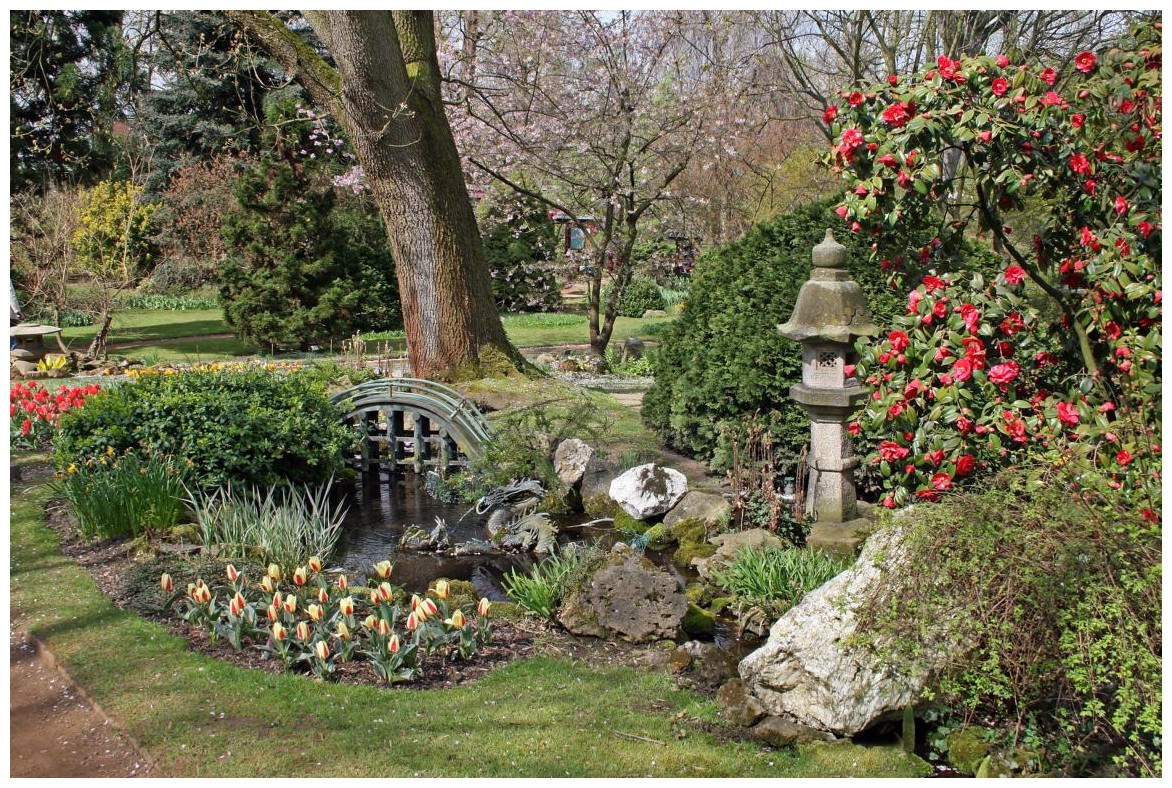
pixel 830 313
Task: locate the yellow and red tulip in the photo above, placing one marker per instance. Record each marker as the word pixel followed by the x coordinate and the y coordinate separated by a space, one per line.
pixel 428 607
pixel 236 606
pixel 414 601
pixel 165 582
pixel 346 606
pixel 290 603
pixel 315 563
pixel 279 632
pixel 442 589
pixel 274 613
pixel 371 622
pixel 323 595
pixel 384 628
pixel 274 572
pixel 343 631
pixel 343 583
pixel 457 620
pixel 383 568
pixel 266 584
pixel 484 606
pixel 412 622
pixel 393 644
pixel 302 630
pixel 300 576
pixel 385 592
pixel 231 572
pixel 314 612
pixel 323 650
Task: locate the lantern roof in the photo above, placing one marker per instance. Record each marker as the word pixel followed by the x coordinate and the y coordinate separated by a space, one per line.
pixel 830 306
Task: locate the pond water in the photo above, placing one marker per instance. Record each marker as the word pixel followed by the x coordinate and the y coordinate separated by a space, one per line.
pixel 380 513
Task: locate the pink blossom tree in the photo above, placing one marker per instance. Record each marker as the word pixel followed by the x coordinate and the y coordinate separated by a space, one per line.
pixel 595 115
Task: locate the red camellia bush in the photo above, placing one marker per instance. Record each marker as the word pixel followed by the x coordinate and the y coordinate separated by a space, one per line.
pixel 1061 351
pixel 34 410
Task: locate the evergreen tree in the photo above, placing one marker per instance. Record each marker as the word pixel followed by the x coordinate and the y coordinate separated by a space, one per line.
pixel 69 73
pixel 209 92
pixel 302 270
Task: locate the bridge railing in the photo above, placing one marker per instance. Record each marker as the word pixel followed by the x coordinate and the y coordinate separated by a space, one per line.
pixel 443 401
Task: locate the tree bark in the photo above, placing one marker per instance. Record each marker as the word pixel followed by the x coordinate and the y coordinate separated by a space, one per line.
pixel 385 91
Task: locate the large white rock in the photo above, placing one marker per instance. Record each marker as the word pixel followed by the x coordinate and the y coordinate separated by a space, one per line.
pixel 648 490
pixel 810 671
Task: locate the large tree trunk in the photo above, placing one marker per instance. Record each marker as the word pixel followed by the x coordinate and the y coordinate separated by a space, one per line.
pixel 385 91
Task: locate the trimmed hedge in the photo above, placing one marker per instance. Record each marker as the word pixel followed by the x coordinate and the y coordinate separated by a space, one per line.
pixel 723 359
pixel 240 427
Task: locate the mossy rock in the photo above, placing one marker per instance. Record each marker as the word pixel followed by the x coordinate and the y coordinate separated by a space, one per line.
pixel 658 537
pixel 602 505
pixel 698 621
pixel 721 603
pixel 967 748
pixel 686 552
pixel 625 522
pixel 696 593
pixel 186 532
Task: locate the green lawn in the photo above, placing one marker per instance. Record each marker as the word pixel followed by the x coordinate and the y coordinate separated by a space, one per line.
pixel 193 327
pixel 540 717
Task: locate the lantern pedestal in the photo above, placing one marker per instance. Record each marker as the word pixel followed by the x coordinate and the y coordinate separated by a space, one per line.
pixel 830 313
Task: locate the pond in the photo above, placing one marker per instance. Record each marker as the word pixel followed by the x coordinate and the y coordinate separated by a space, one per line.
pixel 380 513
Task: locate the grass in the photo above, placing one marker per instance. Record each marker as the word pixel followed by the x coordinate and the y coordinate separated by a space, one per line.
pixel 541 717
pixel 152 324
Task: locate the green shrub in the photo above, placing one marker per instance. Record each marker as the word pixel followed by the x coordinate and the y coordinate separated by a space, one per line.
pixel 124 495
pixel 278 524
pixel 1054 586
pixel 642 293
pixel 770 582
pixel 241 427
pixel 723 358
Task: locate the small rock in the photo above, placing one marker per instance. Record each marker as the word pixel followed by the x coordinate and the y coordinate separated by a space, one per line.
pixel 737 705
pixel 628 597
pixel 778 732
pixel 476 547
pixel 712 509
pixel 654 313
pixel 571 459
pixel 633 348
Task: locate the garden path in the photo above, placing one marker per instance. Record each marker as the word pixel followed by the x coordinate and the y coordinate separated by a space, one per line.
pixel 54 730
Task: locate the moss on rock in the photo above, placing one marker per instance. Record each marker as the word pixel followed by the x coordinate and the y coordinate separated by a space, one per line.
pixel 698 621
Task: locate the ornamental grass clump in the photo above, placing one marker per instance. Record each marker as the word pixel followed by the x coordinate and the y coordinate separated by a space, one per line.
pixel 542 589
pixel 766 583
pixel 279 523
pixel 125 496
pixel 307 621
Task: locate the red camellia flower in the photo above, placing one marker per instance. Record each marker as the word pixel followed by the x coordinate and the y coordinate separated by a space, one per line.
pixel 1002 61
pixel 1014 275
pixel 890 451
pixel 1111 330
pixel 941 480
pixel 1067 413
pixel 1000 86
pixel 1085 62
pixel 887 160
pixel 898 340
pixel 855 99
pixel 928 495
pixel 962 370
pixel 896 115
pixel 935 457
pixel 965 465
pixel 1003 373
pixel 1051 98
pixel 1077 120
pixel 933 283
pixel 1123 457
pixel 1080 164
pixel 1012 324
pixel 970 315
pixel 1049 76
pixel 1120 205
pixel 830 114
pixel 854 428
pixel 974 351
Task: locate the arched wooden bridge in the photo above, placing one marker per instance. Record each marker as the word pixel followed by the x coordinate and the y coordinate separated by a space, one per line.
pixel 413 424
